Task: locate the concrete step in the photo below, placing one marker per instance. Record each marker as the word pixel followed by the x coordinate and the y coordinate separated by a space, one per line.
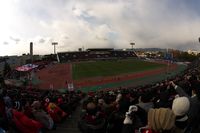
pixel 65 130
pixel 70 124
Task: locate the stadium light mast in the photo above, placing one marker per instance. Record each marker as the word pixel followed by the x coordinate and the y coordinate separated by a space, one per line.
pixel 199 42
pixel 54 44
pixel 31 52
pixel 199 39
pixel 132 45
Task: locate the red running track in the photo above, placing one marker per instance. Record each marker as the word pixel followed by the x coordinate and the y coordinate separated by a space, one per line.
pixel 58 74
pixel 55 75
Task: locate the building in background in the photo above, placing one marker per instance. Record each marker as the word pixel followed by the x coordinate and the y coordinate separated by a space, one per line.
pixel 193 52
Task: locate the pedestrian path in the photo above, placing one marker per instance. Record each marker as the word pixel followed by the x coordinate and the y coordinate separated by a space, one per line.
pixel 70 124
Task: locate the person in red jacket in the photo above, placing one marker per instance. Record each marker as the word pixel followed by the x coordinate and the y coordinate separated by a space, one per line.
pixel 55 112
pixel 25 124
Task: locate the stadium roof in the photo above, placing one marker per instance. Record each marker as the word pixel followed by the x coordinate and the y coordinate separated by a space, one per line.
pixel 100 49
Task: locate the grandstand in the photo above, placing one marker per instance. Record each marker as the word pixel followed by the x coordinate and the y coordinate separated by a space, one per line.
pixel 95 54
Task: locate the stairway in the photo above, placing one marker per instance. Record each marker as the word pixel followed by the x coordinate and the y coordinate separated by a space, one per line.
pixel 70 124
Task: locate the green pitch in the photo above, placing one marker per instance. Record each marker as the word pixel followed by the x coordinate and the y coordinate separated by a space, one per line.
pixel 110 68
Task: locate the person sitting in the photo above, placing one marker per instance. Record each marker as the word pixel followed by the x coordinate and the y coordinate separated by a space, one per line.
pixel 131 122
pixel 160 120
pixel 194 110
pixel 180 108
pixel 56 113
pixel 144 105
pixel 115 120
pixel 41 116
pixel 92 121
pixel 25 124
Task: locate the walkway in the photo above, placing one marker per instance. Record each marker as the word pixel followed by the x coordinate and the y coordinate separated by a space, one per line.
pixel 70 124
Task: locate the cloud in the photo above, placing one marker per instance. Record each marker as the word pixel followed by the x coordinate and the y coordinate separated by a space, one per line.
pixel 105 23
pixel 65 37
pixel 41 40
pixel 16 40
pixel 5 43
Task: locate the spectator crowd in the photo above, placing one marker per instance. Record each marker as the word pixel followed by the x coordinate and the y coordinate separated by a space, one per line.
pixel 169 106
pixel 35 111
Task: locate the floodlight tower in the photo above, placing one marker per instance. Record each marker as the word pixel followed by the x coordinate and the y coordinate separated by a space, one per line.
pixel 54 44
pixel 199 39
pixel 199 42
pixel 31 52
pixel 132 45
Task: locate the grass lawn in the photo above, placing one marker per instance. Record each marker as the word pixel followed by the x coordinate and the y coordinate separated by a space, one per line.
pixel 110 68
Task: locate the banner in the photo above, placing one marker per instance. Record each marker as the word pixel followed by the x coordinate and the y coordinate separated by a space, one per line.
pixel 70 87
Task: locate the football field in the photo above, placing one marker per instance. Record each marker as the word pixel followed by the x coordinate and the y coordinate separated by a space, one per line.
pixel 95 69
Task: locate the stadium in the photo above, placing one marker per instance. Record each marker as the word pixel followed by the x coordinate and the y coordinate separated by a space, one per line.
pixel 91 73
pixel 108 66
pixel 96 69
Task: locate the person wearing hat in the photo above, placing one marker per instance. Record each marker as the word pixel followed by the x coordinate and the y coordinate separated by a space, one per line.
pixel 180 108
pixel 160 120
pixel 194 110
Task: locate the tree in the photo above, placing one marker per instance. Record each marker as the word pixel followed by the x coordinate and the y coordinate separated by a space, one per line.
pixel 6 69
pixel 2 83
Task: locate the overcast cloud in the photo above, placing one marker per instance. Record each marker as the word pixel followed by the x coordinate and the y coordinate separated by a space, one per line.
pixel 98 24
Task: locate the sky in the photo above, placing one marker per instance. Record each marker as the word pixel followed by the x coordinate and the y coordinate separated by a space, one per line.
pixel 97 24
